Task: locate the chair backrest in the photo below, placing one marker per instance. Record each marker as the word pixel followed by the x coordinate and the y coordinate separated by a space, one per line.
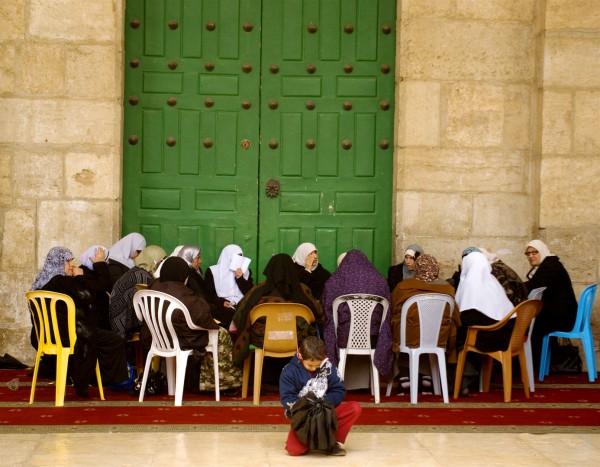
pixel 431 307
pixel 281 335
pixel 43 307
pixel 536 294
pixel 526 312
pixel 361 308
pixel 584 308
pixel 156 310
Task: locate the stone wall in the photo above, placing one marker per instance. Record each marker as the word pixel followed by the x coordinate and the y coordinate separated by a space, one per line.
pixel 60 141
pixel 498 135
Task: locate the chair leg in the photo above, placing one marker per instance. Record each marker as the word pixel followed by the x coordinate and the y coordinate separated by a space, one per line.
pixel 62 363
pixel 460 368
pixel 145 377
pixel 258 366
pixel 529 363
pixel 413 363
pixel 507 376
pixel 246 375
pixel 215 353
pixel 375 385
pixel 181 364
pixel 545 358
pixel 171 375
pixel 587 342
pixel 524 372
pixel 99 378
pixel 342 363
pixel 34 380
pixel 441 364
pixel 487 365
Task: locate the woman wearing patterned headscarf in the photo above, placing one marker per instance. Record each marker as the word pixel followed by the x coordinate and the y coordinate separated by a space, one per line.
pixel 356 274
pixel 559 304
pixel 60 275
pixel 406 269
pixel 123 253
pixel 310 271
pixel 425 280
pixel 122 317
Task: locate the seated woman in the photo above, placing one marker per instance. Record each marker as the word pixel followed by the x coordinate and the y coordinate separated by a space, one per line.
pixel 59 274
pixel 310 271
pixel 122 254
pixel 509 280
pixel 425 280
pixel 229 285
pixel 281 285
pixel 173 278
pixel 192 256
pixel 406 269
pixel 356 274
pixel 559 304
pixel 97 314
pixel 122 317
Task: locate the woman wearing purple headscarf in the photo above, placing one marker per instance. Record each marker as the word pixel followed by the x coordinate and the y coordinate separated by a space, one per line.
pixel 356 274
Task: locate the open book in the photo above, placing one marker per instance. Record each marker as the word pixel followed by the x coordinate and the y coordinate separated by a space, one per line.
pixel 238 261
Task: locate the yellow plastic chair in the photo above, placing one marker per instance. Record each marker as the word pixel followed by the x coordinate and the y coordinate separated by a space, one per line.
pixel 525 313
pixel 280 341
pixel 42 305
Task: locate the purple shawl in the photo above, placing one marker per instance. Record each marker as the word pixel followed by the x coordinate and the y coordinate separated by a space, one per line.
pixel 356 274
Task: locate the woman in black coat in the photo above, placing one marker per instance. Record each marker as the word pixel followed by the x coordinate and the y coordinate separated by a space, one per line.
pixel 559 305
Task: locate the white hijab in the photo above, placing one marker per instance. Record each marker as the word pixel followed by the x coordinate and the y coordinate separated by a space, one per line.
pixel 544 251
pixel 124 248
pixel 479 290
pixel 302 252
pixel 224 278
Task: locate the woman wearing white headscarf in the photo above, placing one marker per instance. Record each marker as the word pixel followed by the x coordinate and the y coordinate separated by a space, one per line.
pixel 310 271
pixel 123 253
pixel 559 304
pixel 482 301
pixel 230 286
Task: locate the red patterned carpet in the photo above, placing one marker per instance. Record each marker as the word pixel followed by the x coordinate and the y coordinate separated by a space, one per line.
pixel 560 404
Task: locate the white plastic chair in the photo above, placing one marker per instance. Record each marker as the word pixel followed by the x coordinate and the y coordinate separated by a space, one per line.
pixel 535 294
pixel 431 308
pixel 361 308
pixel 156 310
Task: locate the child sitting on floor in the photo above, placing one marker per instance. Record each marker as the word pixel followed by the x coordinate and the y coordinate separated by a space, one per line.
pixel 311 371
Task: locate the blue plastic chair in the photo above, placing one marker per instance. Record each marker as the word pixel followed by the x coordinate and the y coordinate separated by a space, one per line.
pixel 582 330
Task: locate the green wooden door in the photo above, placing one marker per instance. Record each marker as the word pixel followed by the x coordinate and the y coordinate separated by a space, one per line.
pixel 262 123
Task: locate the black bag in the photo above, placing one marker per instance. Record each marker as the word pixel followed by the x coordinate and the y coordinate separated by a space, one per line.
pixel 155 386
pixel 315 422
pixel 565 359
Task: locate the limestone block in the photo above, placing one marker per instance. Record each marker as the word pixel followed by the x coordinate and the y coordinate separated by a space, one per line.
pixel 516 10
pixel 580 14
pixel 5 178
pixel 88 176
pixel 15 340
pixel 475 115
pixel 557 122
pixel 517 117
pixel 578 251
pixel 70 20
pixel 12 19
pixel 467 50
pixel 90 71
pixel 426 8
pixel 435 214
pixel 460 170
pixel 572 61
pixel 501 214
pixel 74 224
pixel 17 240
pixel 41 68
pixel 420 119
pixel 569 195
pixel 38 175
pixel 7 68
pixel 587 122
